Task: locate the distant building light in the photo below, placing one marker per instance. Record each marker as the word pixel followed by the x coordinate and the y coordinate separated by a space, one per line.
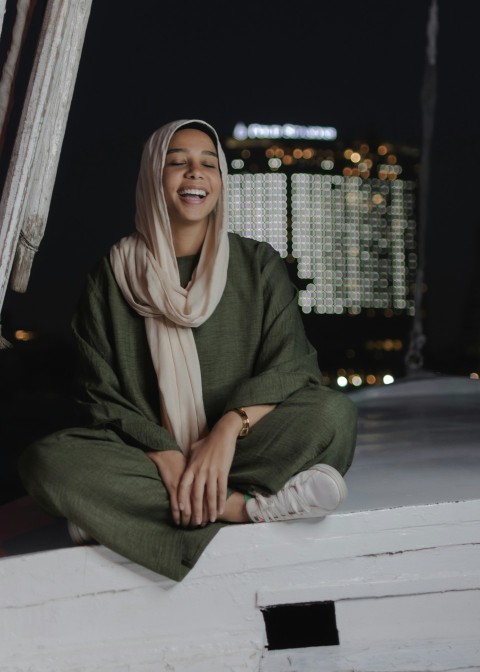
pixel 238 164
pixel 274 164
pixel 23 335
pixel 474 376
pixel 286 131
pixel 342 381
pixel 357 380
pixel 388 379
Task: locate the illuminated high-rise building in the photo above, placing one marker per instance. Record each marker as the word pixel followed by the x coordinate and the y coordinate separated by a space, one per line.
pixel 345 213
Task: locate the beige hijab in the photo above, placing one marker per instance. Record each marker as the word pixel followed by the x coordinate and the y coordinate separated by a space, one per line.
pixel 146 271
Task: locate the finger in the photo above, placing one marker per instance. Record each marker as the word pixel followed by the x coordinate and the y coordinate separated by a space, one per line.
pixel 212 499
pixel 183 495
pixel 186 514
pixel 222 491
pixel 205 512
pixel 197 498
pixel 174 506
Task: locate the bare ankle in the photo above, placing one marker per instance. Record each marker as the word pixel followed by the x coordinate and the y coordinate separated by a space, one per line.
pixel 235 509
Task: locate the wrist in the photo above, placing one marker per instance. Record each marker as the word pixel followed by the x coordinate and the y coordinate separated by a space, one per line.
pixel 241 413
pixel 231 423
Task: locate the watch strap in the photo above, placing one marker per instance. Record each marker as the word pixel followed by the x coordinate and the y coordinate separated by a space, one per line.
pixel 246 422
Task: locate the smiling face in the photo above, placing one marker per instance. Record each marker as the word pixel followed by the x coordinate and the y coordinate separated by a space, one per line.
pixel 191 179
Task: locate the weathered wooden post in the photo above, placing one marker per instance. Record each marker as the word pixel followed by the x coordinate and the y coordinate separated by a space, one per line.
pixel 33 166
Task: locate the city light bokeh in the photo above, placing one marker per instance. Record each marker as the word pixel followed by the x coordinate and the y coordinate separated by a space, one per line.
pixel 343 216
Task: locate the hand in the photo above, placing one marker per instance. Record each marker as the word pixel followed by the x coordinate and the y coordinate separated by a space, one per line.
pixel 171 466
pixel 202 491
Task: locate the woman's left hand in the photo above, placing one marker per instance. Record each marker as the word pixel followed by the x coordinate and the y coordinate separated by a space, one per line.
pixel 202 491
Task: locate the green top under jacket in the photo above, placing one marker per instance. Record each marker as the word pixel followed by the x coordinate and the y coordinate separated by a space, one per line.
pixel 252 350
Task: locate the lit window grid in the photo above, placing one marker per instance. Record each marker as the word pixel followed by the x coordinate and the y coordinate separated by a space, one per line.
pixel 359 253
pixel 258 207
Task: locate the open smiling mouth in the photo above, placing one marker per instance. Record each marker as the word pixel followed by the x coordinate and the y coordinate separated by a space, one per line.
pixel 193 194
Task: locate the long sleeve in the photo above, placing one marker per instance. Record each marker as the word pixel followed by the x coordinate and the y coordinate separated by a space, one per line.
pixel 285 360
pixel 116 383
pixel 253 349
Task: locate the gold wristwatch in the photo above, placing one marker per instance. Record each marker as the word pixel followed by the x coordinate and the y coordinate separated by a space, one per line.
pixel 246 422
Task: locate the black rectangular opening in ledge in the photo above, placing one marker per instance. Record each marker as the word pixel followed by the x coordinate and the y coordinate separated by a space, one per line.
pixel 294 626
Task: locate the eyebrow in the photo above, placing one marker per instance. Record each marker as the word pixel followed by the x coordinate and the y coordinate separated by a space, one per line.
pixel 208 152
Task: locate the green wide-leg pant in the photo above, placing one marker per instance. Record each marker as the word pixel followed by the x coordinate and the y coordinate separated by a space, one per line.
pixel 113 491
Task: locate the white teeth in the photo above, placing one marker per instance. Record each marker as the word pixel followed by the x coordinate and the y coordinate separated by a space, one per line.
pixel 192 192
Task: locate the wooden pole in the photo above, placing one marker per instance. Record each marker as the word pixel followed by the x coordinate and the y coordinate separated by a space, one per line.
pixel 9 72
pixel 29 184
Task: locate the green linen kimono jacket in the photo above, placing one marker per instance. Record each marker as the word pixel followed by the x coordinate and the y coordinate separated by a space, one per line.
pixel 252 350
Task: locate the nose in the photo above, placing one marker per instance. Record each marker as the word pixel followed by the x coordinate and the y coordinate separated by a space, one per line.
pixel 194 171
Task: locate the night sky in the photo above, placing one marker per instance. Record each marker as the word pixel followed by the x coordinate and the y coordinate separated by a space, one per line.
pixel 358 66
pixel 355 66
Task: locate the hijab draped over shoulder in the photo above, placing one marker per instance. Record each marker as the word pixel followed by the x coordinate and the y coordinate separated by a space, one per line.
pixel 146 271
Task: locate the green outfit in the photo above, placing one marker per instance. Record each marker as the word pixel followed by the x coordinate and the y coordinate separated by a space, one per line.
pixel 252 350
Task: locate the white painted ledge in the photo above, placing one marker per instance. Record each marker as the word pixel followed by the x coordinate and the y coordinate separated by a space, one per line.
pixel 405 582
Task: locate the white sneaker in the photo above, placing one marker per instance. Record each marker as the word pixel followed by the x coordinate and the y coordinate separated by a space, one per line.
pixel 77 535
pixel 310 494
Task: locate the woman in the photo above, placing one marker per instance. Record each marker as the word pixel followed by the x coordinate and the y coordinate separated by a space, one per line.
pixel 203 398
